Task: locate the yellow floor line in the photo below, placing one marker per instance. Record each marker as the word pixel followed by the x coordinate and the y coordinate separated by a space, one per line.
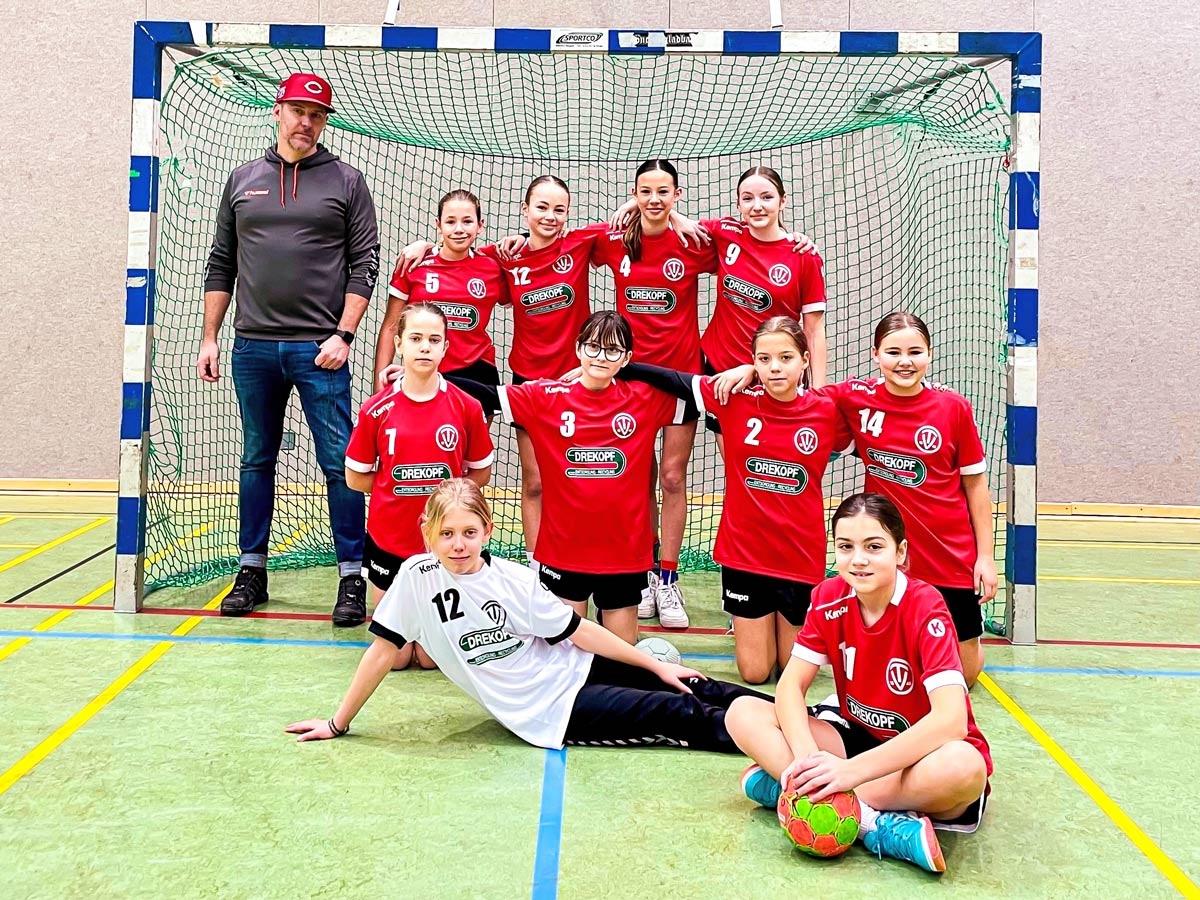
pixel 4 520
pixel 1120 545
pixel 16 546
pixel 1108 806
pixel 21 515
pixel 50 545
pixel 1099 579
pixel 13 646
pixel 26 763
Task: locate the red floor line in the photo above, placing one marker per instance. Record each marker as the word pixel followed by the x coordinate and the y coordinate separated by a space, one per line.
pixel 654 629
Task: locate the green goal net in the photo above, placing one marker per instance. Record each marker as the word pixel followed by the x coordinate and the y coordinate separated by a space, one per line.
pixel 894 165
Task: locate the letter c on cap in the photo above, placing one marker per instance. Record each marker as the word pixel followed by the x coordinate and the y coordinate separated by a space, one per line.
pixel 314 87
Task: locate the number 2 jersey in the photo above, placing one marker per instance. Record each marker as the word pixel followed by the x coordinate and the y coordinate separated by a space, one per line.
pixel 773 520
pixel 412 446
pixel 916 451
pixel 467 290
pixel 593 450
pixel 659 295
pixel 755 281
pixel 885 672
pixel 497 634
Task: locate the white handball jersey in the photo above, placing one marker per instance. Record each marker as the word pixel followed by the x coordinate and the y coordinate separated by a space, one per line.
pixel 497 634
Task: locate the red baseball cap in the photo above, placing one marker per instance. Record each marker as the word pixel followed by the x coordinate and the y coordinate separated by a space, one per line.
pixel 307 87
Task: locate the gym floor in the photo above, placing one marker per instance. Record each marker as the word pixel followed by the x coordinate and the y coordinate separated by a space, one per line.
pixel 145 755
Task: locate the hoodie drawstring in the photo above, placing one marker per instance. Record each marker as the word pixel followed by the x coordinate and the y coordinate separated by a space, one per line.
pixel 295 183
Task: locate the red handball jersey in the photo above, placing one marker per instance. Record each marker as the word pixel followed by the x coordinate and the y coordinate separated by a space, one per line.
pixel 551 301
pixel 916 451
pixel 412 446
pixel 885 673
pixel 593 449
pixel 467 290
pixel 659 295
pixel 755 281
pixel 773 521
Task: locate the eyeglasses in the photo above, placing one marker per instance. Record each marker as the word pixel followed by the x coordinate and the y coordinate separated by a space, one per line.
pixel 593 351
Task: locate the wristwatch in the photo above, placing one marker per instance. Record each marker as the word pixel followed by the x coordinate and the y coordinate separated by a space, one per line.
pixel 347 336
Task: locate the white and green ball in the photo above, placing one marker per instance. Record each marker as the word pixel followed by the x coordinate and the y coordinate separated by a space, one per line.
pixel 659 649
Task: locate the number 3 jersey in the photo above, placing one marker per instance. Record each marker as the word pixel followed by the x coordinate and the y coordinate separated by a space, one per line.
pixel 412 446
pixel 916 451
pixel 885 672
pixel 593 450
pixel 497 634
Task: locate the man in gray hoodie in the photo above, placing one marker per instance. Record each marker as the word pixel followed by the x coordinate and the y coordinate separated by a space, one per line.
pixel 296 235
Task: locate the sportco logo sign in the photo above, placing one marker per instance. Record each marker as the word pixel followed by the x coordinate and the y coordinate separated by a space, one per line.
pixel 655 301
pixel 545 300
pixel 595 462
pixel 460 316
pixel 743 293
pixel 896 467
pixel 775 476
pixel 879 719
pixel 576 39
pixel 418 480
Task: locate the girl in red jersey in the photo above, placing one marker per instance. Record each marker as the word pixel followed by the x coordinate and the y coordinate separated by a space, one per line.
pixel 594 442
pixel 465 284
pixel 906 738
pixel 922 451
pixel 657 284
pixel 782 437
pixel 409 437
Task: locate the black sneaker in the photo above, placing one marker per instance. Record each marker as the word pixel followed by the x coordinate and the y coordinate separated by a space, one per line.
pixel 351 606
pixel 249 590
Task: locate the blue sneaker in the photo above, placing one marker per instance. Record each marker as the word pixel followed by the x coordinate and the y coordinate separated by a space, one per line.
pixel 761 787
pixel 906 836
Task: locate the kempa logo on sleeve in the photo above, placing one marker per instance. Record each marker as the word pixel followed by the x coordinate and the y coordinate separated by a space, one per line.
pixel 547 299
pixel 743 293
pixel 896 467
pixel 879 719
pixel 420 479
pixel 460 316
pixel 775 476
pixel 655 301
pixel 595 462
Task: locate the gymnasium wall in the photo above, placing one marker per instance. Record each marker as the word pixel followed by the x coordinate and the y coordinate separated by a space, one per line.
pixel 1118 323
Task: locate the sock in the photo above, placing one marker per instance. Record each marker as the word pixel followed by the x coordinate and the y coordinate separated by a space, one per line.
pixel 867 822
pixel 657 550
pixel 668 571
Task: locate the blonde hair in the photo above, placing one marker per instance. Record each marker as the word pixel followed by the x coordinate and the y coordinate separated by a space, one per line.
pixel 453 493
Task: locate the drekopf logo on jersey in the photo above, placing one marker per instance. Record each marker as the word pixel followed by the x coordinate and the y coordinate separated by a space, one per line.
pixel 595 462
pixel 896 467
pixel 420 479
pixel 775 476
pixel 655 301
pixel 548 299
pixel 504 643
pixel 879 719
pixel 743 293
pixel 460 316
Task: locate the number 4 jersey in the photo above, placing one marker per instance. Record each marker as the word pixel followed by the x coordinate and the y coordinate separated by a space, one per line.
pixel 885 672
pixel 497 634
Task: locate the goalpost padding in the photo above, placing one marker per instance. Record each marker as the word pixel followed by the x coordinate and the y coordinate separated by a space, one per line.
pixel 899 155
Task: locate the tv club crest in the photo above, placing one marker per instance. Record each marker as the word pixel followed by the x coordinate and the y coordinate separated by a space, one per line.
pixel 779 275
pixel 562 265
pixel 805 440
pixel 624 425
pixel 928 439
pixel 476 288
pixel 674 269
pixel 447 437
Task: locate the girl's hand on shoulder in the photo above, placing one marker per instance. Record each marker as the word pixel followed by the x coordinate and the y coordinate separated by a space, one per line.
pixel 510 246
pixel 731 381
pixel 689 230
pixel 822 774
pixel 802 243
pixel 387 375
pixel 410 256
pixel 986 582
pixel 572 376
pixel 677 676
pixel 620 219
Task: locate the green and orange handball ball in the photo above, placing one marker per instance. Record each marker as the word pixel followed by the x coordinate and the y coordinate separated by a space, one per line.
pixel 821 829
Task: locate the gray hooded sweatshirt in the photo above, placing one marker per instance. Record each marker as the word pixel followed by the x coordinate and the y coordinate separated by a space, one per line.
pixel 295 238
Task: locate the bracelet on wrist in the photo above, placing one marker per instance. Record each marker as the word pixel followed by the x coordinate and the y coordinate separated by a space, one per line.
pixel 337 732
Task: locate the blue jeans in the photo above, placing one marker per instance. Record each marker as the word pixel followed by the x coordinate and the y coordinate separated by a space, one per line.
pixel 264 373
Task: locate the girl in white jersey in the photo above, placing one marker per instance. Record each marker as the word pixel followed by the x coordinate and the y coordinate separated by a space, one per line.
pixel 529 660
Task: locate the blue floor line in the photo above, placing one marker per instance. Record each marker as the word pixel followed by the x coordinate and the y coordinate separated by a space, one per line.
pixel 550 819
pixel 709 657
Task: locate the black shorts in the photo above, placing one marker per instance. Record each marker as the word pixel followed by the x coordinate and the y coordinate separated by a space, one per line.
pixel 480 371
pixel 519 379
pixel 378 566
pixel 711 423
pixel 965 610
pixel 619 591
pixel 752 596
pixel 855 738
pixel 969 821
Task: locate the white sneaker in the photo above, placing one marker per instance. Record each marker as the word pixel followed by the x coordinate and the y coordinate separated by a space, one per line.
pixel 648 608
pixel 671 612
